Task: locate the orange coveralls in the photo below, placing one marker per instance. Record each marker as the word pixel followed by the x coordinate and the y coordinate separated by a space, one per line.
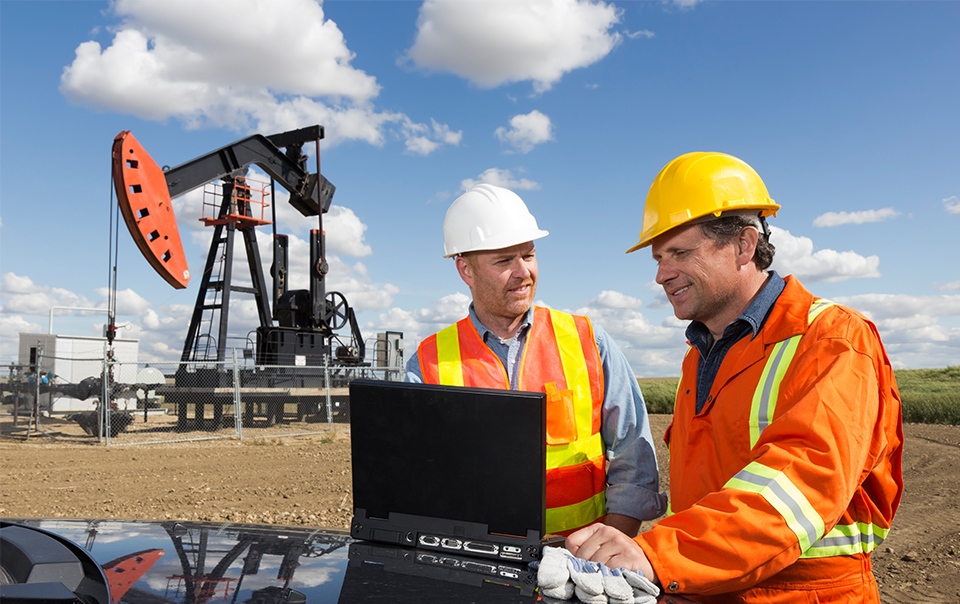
pixel 790 475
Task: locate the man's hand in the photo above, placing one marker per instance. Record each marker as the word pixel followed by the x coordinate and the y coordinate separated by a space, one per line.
pixel 609 546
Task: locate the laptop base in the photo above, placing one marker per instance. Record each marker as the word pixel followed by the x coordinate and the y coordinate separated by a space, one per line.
pixel 448 536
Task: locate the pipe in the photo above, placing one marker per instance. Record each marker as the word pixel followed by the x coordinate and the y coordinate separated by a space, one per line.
pixel 52 308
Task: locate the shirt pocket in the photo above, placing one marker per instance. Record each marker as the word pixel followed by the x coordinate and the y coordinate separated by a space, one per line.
pixel 561 415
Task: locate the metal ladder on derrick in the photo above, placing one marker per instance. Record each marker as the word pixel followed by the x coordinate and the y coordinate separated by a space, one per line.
pixel 216 286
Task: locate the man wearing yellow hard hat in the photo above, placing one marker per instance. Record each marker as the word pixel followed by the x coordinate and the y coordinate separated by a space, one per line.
pixel 601 464
pixel 786 438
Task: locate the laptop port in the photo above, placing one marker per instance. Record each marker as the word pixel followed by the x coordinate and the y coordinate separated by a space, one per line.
pixel 511 555
pixel 429 540
pixel 511 549
pixel 509 573
pixel 479 567
pixel 449 562
pixel 427 558
pixel 480 548
pixel 451 543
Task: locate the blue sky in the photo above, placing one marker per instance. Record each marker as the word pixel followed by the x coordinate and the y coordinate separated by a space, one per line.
pixel 848 110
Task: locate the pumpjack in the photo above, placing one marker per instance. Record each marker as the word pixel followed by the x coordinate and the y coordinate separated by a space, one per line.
pixel 302 328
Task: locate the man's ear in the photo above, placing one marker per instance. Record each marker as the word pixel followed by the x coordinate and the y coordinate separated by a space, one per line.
pixel 746 245
pixel 465 269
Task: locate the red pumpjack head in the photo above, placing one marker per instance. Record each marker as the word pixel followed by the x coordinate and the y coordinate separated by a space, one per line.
pixel 144 201
pixel 123 572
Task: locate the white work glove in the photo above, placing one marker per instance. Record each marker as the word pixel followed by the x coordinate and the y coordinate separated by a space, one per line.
pixel 553 574
pixel 561 575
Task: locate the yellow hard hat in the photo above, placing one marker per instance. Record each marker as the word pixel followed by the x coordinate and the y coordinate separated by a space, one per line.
pixel 696 185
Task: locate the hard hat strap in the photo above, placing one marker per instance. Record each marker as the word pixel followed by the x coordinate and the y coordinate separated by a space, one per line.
pixel 764 227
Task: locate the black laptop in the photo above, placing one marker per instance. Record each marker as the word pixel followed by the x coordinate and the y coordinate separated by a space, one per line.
pixel 450 469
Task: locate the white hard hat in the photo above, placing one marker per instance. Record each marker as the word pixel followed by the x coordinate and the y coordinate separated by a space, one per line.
pixel 487 218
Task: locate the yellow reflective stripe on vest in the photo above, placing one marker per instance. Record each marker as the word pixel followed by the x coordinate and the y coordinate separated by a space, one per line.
pixel 577 452
pixel 783 495
pixel 449 364
pixel 847 540
pixel 576 515
pixel 574 370
pixel 765 396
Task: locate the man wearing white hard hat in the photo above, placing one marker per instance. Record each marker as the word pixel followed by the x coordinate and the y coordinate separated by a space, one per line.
pixel 601 464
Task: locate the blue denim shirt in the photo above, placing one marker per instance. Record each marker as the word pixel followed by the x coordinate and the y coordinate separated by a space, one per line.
pixel 749 322
pixel 632 474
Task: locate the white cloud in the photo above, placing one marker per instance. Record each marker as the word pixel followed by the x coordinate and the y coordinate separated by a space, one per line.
pixel 795 256
pixel 495 42
pixel 224 67
pixel 837 218
pixel 614 299
pixel 129 302
pixel 652 350
pixel 423 140
pixel 884 307
pixel 419 324
pixel 910 327
pixel 345 232
pixel 948 287
pixel 526 131
pixel 500 178
pixel 643 33
pixel 11 326
pixel 952 204
pixel 21 295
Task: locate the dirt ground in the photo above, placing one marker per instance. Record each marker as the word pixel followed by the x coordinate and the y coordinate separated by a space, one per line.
pixel 307 480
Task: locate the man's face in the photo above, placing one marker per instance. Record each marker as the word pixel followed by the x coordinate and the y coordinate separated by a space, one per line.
pixel 503 282
pixel 698 276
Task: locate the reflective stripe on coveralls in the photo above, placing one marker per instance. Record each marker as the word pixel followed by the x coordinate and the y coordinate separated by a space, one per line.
pixel 842 540
pixel 765 397
pixel 560 348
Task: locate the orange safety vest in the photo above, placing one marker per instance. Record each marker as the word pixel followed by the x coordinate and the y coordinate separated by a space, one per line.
pixel 790 475
pixel 560 357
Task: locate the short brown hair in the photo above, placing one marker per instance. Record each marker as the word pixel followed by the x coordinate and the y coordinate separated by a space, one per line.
pixel 724 229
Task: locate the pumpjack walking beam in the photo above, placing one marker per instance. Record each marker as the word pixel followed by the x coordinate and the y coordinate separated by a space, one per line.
pixel 144 190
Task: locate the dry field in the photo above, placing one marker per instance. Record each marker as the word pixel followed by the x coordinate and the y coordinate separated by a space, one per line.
pixel 307 480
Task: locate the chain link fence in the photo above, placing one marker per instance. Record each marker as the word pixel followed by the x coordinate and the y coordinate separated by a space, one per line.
pixel 171 402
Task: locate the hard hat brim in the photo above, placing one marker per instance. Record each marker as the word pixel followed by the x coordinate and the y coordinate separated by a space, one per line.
pixel 765 210
pixel 500 242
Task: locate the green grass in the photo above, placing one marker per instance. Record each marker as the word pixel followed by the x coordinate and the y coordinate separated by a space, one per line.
pixel 930 396
pixel 659 393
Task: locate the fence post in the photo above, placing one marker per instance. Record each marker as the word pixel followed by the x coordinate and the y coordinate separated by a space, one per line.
pixel 34 422
pixel 326 381
pixel 104 418
pixel 236 397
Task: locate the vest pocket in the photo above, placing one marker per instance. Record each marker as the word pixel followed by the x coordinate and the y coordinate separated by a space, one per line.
pixel 561 418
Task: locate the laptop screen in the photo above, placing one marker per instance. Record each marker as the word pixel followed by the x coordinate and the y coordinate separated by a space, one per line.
pixel 474 455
